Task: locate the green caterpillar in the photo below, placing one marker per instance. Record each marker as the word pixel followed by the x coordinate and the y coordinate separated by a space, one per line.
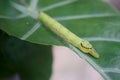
pixel 67 35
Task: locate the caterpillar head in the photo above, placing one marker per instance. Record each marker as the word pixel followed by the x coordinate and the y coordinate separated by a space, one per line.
pixel 86 47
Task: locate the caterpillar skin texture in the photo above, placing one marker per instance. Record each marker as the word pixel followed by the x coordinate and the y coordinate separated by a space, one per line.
pixel 67 35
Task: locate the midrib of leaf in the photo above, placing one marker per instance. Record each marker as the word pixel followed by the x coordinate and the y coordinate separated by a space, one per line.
pixel 33 3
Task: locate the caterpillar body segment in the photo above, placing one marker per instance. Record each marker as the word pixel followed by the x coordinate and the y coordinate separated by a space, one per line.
pixel 67 35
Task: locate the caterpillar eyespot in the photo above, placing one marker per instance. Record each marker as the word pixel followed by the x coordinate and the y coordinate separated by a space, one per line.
pixel 87 46
pixel 67 35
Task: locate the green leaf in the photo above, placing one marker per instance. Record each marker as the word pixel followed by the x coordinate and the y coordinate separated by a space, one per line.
pixel 93 20
pixel 30 61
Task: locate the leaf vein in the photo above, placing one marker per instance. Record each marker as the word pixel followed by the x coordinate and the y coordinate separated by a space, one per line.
pixel 31 31
pixel 102 39
pixel 72 17
pixel 58 5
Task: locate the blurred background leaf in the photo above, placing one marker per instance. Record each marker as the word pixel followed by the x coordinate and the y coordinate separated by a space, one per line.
pixel 30 61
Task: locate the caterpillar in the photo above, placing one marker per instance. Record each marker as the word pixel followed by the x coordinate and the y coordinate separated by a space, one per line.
pixel 67 35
